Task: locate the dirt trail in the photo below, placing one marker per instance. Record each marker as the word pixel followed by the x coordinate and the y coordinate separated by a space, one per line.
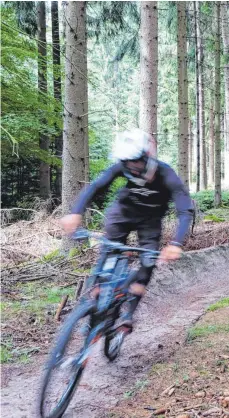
pixel 177 298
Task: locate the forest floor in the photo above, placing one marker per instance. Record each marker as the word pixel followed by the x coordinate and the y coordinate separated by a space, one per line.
pixel 191 382
pixel 153 356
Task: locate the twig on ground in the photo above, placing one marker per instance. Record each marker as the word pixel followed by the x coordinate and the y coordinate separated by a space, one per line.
pixel 79 289
pixel 60 307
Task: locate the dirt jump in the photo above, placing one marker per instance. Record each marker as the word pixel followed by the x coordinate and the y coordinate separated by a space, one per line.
pixel 176 297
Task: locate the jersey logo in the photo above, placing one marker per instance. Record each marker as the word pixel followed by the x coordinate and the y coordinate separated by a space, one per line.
pixel 143 191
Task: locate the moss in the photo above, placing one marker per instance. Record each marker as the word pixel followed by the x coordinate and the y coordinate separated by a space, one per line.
pixel 6 355
pixel 197 331
pixel 73 252
pixel 51 256
pixel 223 303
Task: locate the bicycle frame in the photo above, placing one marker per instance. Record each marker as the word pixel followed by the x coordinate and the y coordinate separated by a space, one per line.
pixel 111 276
pixel 101 303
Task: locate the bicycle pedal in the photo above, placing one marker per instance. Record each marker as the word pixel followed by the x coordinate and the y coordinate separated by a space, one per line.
pixel 127 329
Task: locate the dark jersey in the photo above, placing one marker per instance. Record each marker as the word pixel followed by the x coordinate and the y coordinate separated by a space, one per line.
pixel 150 199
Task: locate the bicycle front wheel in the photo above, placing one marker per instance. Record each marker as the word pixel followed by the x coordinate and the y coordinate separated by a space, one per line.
pixel 63 371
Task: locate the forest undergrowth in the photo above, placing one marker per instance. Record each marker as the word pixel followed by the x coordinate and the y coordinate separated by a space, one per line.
pixel 39 282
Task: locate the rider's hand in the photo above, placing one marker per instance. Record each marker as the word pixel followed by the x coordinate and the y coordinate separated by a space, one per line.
pixel 171 252
pixel 70 223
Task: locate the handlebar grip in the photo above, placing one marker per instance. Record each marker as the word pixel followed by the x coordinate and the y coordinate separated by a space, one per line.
pixel 80 234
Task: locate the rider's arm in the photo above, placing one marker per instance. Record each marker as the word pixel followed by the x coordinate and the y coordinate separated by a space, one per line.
pixel 183 203
pixel 99 185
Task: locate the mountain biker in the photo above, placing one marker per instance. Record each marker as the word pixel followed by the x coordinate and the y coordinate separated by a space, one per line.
pixel 141 204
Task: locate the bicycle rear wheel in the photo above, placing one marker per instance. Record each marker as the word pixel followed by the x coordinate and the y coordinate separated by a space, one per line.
pixel 63 371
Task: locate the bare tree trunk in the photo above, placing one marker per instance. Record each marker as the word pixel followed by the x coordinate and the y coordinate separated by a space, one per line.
pixel 57 90
pixel 190 153
pixel 217 110
pixel 225 30
pixel 116 89
pixel 211 143
pixel 149 67
pixel 182 92
pixel 197 103
pixel 75 135
pixel 203 163
pixel 45 191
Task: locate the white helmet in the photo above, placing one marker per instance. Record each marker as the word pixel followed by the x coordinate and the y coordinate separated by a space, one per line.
pixel 134 145
pixel 131 145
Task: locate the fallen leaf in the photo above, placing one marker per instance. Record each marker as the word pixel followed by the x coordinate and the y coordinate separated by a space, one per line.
pixel 200 394
pixel 194 375
pixel 183 416
pixel 161 411
pixel 171 391
pixel 225 402
pixel 211 411
pixel 166 391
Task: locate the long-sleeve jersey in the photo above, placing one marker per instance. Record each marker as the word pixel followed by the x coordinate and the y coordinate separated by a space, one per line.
pixel 150 199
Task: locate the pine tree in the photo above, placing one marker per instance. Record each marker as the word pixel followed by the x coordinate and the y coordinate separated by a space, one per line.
pixel 75 135
pixel 45 186
pixel 197 100
pixel 201 104
pixel 57 91
pixel 182 92
pixel 149 67
pixel 217 109
pixel 225 32
pixel 211 142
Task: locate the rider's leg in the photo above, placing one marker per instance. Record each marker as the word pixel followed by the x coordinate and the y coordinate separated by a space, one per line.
pixel 137 290
pixel 149 232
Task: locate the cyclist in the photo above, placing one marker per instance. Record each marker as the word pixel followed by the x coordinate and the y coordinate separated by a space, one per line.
pixel 141 204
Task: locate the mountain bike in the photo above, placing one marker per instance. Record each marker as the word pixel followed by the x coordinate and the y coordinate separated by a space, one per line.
pixel 101 303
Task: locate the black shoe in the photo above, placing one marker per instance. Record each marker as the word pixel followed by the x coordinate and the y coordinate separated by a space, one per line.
pixel 126 320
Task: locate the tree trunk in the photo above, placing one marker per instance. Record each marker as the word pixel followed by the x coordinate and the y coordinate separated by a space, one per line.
pixel 197 102
pixel 225 30
pixel 149 68
pixel 45 191
pixel 211 143
pixel 57 91
pixel 217 110
pixel 182 92
pixel 203 163
pixel 75 135
pixel 190 153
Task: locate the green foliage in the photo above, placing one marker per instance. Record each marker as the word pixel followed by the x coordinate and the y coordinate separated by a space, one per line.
pixel 51 256
pixel 26 16
pixel 26 112
pixel 213 218
pixel 6 355
pixel 107 19
pixel 140 385
pixel 198 332
pixel 96 167
pixel 223 303
pixel 74 252
pixel 205 199
pixel 115 187
pixel 22 113
pixel 220 214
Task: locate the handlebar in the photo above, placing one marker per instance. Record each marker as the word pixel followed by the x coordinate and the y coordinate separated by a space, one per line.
pixel 81 234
